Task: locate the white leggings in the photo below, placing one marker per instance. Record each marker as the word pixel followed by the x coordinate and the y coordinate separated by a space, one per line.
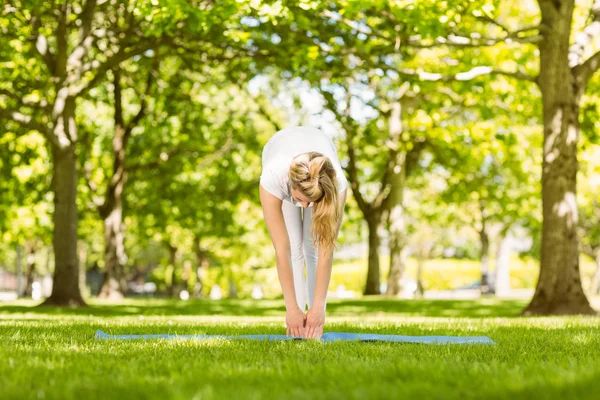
pixel 298 222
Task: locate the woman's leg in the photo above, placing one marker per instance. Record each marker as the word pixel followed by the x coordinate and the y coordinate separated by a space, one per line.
pixel 292 216
pixel 311 256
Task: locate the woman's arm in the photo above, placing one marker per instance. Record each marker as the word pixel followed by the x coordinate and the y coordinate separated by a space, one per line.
pixel 325 260
pixel 271 206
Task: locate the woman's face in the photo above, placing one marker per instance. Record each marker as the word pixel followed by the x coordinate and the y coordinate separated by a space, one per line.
pixel 299 199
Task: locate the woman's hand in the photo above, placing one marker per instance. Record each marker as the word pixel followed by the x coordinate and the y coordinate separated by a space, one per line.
pixel 295 321
pixel 315 319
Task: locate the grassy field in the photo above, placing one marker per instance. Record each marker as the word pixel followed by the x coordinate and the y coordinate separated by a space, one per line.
pixel 438 274
pixel 51 353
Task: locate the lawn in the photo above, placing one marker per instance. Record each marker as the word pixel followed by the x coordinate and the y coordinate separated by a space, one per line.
pixel 51 353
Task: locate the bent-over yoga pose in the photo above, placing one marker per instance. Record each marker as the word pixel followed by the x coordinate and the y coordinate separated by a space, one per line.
pixel 303 193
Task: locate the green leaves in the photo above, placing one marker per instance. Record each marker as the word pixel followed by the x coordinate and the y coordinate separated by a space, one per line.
pixel 194 157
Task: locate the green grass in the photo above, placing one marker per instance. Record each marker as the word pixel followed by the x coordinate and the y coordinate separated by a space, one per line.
pixel 50 353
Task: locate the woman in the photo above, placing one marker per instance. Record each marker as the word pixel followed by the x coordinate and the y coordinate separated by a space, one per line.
pixel 303 193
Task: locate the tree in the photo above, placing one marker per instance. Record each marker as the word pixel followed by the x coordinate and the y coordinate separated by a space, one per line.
pixel 388 174
pixel 564 75
pixel 188 181
pixel 109 201
pixel 61 41
pixel 564 71
pixel 60 52
pixel 492 180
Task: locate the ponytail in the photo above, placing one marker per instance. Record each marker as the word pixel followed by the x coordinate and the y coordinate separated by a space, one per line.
pixel 314 176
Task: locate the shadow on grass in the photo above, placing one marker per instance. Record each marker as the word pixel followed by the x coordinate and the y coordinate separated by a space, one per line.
pixel 481 308
pixel 158 307
pixel 368 306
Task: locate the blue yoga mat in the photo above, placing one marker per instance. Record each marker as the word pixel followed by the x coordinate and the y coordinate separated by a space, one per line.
pixel 327 337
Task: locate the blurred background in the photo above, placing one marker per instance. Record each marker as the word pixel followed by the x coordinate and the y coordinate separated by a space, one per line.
pixel 131 135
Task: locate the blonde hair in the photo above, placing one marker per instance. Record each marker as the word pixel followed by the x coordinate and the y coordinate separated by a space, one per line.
pixel 314 176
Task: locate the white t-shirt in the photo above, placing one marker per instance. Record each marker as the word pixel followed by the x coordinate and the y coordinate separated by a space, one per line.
pixel 286 144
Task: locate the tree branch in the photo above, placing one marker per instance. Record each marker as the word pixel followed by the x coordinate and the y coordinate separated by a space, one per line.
pixel 460 41
pixel 461 76
pixel 452 40
pixel 344 119
pixel 91 185
pixel 22 119
pixel 143 99
pixel 86 40
pixel 584 72
pixel 353 174
pixel 27 121
pixel 87 17
pixel 506 30
pixel 586 36
pixel 409 162
pixel 22 102
pixel 394 143
pixel 486 18
pixel 121 137
pixel 41 44
pixel 588 250
pixel 110 63
pixel 62 45
pixel 400 161
pixel 412 156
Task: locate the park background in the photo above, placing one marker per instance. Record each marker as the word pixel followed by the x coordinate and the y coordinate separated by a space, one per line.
pixel 130 156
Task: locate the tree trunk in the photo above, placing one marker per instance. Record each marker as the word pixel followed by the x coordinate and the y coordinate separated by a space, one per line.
pixel 19 270
pixel 595 283
pixel 30 251
pixel 394 205
pixel 46 280
pixel 83 262
pixel 397 242
pixel 233 291
pixel 559 289
pixel 422 256
pixel 373 283
pixel 201 265
pixel 65 287
pixel 503 265
pixel 485 258
pixel 173 256
pixel 115 257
